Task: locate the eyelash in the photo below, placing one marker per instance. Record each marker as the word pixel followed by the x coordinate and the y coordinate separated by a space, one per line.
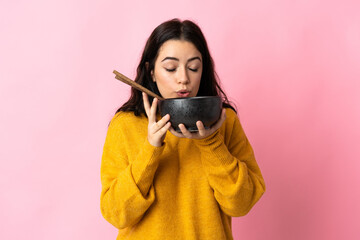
pixel 173 69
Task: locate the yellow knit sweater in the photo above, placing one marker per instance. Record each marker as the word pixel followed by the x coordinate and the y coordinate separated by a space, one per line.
pixel 185 189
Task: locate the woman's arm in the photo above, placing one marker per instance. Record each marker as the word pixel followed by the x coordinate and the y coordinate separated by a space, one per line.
pixel 231 168
pixel 127 190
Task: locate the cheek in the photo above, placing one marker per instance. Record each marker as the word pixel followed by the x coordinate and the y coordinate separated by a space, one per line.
pixel 161 75
pixel 162 82
pixel 198 79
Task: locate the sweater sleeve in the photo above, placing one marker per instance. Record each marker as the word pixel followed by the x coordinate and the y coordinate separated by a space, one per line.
pixel 127 186
pixel 231 168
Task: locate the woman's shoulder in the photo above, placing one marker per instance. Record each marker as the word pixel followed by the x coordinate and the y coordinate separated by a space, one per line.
pixel 121 118
pixel 231 114
pixel 232 121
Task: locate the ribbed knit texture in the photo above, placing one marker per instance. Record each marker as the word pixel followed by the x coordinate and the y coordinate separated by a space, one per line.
pixel 185 189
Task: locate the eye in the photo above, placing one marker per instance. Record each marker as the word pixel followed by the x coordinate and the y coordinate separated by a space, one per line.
pixel 193 69
pixel 170 69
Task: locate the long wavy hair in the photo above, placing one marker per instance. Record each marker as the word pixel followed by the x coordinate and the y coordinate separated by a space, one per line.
pixel 173 30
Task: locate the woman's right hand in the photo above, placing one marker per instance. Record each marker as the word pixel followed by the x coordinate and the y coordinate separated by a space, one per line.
pixel 156 130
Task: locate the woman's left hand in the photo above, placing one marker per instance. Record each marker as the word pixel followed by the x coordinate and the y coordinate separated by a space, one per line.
pixel 202 133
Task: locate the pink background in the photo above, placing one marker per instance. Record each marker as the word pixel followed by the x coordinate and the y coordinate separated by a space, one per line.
pixel 291 67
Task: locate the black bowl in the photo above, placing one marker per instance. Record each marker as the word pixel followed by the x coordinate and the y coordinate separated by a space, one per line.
pixel 189 110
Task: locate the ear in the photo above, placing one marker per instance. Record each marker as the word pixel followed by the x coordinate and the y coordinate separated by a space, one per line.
pixel 152 75
pixel 151 72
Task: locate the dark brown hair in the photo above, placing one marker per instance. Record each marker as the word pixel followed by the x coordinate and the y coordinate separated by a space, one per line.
pixel 173 30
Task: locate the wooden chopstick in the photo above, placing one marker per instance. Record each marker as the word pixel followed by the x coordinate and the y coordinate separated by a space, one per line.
pixel 135 85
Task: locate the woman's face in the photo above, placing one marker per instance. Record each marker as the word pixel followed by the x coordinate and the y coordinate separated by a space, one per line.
pixel 178 69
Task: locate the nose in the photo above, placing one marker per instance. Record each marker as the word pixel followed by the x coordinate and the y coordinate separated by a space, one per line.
pixel 183 77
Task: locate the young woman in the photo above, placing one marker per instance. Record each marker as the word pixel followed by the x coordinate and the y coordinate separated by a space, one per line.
pixel 161 185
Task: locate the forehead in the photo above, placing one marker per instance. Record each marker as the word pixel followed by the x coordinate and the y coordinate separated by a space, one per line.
pixel 178 48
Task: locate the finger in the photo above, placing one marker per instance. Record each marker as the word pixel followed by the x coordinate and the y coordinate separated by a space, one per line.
pixel 153 109
pixel 161 123
pixel 162 131
pixel 146 103
pixel 164 120
pixel 201 128
pixel 175 133
pixel 184 131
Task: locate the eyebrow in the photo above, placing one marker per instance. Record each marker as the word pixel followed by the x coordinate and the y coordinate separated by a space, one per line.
pixel 176 59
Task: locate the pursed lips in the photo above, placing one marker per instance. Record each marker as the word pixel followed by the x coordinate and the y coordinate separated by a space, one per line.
pixel 183 92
